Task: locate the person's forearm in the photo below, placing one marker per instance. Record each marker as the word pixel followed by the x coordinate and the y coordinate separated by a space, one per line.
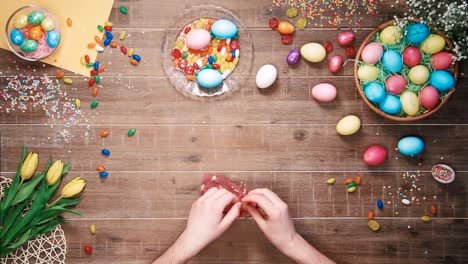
pixel 303 253
pixel 178 253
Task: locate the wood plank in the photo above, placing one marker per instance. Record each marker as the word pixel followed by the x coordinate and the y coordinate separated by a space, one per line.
pixel 141 240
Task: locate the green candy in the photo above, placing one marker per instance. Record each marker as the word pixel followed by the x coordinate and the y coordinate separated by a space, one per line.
pixel 184 55
pixel 97 79
pixel 131 132
pixel 36 17
pixel 352 184
pixel 29 45
pixel 100 28
pixel 94 104
pixel 89 65
pixel 123 10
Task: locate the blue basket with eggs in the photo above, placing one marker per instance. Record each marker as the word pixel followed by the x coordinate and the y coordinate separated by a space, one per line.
pixel 405 73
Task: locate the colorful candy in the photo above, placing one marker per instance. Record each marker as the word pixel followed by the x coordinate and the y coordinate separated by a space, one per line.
pixel 59 74
pixel 100 168
pixel 443 173
pixel 77 103
pixel 426 218
pixel 16 37
pixel 53 39
pixel 293 57
pixel 131 132
pixel 92 229
pixel 331 180
pixel 21 21
pixel 68 81
pixel 104 133
pixel 433 209
pixel 29 45
pixel 35 17
pixel 123 10
pixel 380 204
pixel 47 24
pixel 105 152
pixel 88 250
pixel 103 174
pixel 373 225
pixel 328 46
pixel 285 28
pixel 287 39
pixel 370 215
pixel 273 23
pixel 94 104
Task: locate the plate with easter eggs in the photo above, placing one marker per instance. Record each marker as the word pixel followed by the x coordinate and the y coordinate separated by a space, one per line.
pixel 405 73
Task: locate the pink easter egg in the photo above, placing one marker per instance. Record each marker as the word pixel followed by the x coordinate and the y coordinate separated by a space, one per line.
pixel 441 60
pixel 411 56
pixel 324 92
pixel 395 84
pixel 372 53
pixel 429 97
pixel 375 155
pixel 345 38
pixel 335 63
pixel 198 39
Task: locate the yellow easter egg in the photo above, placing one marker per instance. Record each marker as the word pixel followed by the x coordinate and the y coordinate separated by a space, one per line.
pixel 348 125
pixel 21 21
pixel 419 74
pixel 367 73
pixel 433 44
pixel 390 35
pixel 47 24
pixel 313 52
pixel 409 103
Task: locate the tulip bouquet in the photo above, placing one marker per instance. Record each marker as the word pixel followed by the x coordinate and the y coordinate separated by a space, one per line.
pixel 26 210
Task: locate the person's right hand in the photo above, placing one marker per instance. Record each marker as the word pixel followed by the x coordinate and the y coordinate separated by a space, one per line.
pixel 272 216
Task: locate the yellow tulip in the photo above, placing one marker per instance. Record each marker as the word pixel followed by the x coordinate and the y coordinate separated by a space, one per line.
pixel 73 188
pixel 54 172
pixel 29 166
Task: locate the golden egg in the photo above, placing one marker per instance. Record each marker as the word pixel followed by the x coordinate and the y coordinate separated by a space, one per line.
pixel 390 35
pixel 47 24
pixel 35 33
pixel 21 21
pixel 433 44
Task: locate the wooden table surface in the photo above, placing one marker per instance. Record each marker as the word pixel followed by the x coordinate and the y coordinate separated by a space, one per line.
pixel 278 139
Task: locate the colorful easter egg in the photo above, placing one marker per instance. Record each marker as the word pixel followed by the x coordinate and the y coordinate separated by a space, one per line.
pixel 441 60
pixel 345 38
pixel 224 29
pixel 209 78
pixel 348 125
pixel 367 72
pixel 417 33
pixel 442 80
pixel 20 21
pixel 418 74
pixel 29 45
pixel 390 35
pixel 53 39
pixel 35 17
pixel 35 33
pixel 409 103
pixel 429 97
pixel 433 44
pixel 390 104
pixel 374 92
pixel 293 57
pixel 395 84
pixel 372 53
pixel 47 24
pixel 16 37
pixel 266 76
pixel 313 52
pixel 335 63
pixel 410 145
pixel 375 155
pixel 392 61
pixel 198 39
pixel 285 28
pixel 411 56
pixel 324 92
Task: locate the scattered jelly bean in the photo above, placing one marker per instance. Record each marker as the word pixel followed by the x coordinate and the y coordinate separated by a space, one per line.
pixel 351 189
pixel 331 180
pixel 433 209
pixel 370 215
pixel 350 52
pixel 99 48
pixel 93 72
pixel 60 74
pixel 301 23
pixel 69 22
pixel 215 66
pixel 406 201
pixel 210 60
pixel 103 174
pixel 88 250
pixel 100 168
pixel 123 49
pixel 96 65
pixel 134 62
pixel 104 133
pixel 130 52
pixel 94 104
pixel 351 184
pixel 105 152
pixel 77 103
pixel 107 42
pixel 426 218
pixel 89 65
pixel 91 82
pixel 123 10
pixel 92 229
pixel 131 132
pixel 68 81
pixel 82 61
pixel 380 204
pixel 136 57
pixel 287 39
pixel 100 28
pixel 234 44
pixel 87 59
pixel 328 46
pixel 348 180
pixel 293 57
pixel 97 39
pixel 91 45
pixel 94 92
pixel 373 225
pixel 113 44
pixel 176 54
pixel 273 23
pixel 108 24
pixel 97 79
pixel 108 28
pixel 122 35
pixel 109 35
pixel 292 12
pixel 357 180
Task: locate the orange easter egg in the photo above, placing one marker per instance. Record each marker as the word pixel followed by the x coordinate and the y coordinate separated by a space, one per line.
pixel 35 33
pixel 284 27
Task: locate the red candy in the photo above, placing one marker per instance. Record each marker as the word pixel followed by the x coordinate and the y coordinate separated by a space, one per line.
pixel 123 49
pixel 93 72
pixel 182 64
pixel 234 44
pixel 350 52
pixel 215 66
pixel 88 250
pixel 108 28
pixel 220 47
pixel 328 46
pixel 189 70
pixel 287 39
pixel 196 67
pixel 187 30
pixel 176 54
pixel 86 57
pixel 274 22
pixel 91 82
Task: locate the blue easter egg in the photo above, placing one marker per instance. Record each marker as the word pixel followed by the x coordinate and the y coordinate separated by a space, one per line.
pixel 209 78
pixel 53 39
pixel 410 146
pixel 417 33
pixel 16 37
pixel 392 61
pixel 442 80
pixel 224 29
pixel 390 104
pixel 375 92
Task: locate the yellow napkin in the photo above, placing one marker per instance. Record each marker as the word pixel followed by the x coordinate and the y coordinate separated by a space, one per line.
pixel 85 15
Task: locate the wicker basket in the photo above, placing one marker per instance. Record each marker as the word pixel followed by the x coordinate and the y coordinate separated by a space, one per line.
pixel 426 113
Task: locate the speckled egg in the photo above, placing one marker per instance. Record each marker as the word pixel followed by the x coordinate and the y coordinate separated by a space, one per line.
pixel 409 103
pixel 35 33
pixel 21 21
pixel 367 72
pixel 53 39
pixel 348 125
pixel 390 35
pixel 372 53
pixel 345 38
pixel 442 80
pixel 418 74
pixel 390 104
pixel 293 57
pixel 198 39
pixel 209 78
pixel 392 61
pixel 429 97
pixel 224 29
pixel 411 56
pixel 47 24
pixel 441 60
pixel 374 92
pixel 335 63
pixel 433 44
pixel 395 84
pixel 29 45
pixel 324 92
pixel 35 17
pixel 313 52
pixel 285 28
pixel 266 76
pixel 417 33
pixel 16 37
pixel 410 145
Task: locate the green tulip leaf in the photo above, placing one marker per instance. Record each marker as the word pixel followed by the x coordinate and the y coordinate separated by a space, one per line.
pixel 11 218
pixel 69 201
pixel 28 188
pixel 20 240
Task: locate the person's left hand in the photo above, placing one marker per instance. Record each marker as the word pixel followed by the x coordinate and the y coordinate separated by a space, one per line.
pixel 207 221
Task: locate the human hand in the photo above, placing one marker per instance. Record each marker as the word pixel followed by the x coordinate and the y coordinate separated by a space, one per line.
pixel 207 220
pixel 272 216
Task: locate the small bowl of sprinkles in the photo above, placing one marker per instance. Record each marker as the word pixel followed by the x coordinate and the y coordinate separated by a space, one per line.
pixel 33 33
pixel 202 52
